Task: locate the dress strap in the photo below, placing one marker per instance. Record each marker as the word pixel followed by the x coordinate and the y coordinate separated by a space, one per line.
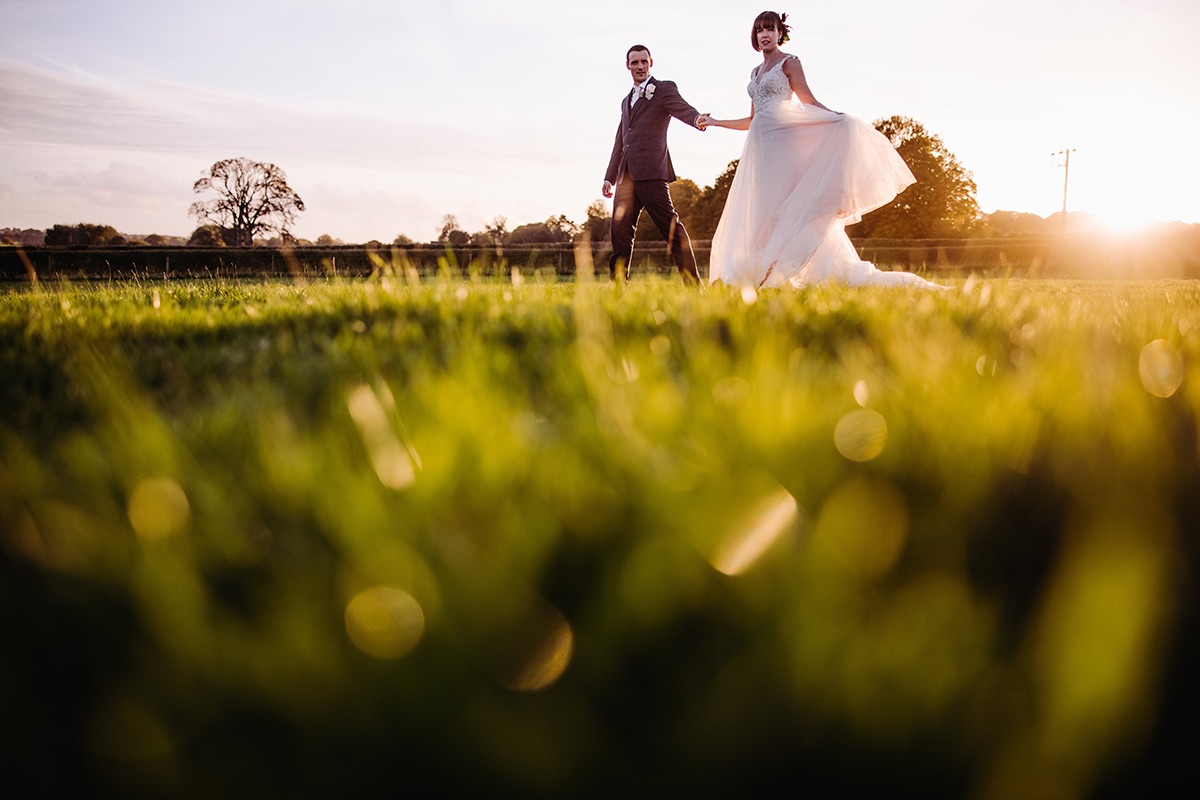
pixel 754 72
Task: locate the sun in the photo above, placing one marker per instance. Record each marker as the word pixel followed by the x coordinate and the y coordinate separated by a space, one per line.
pixel 1118 207
pixel 1125 222
pixel 1122 196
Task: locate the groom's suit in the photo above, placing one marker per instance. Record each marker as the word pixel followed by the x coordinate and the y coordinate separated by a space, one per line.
pixel 640 169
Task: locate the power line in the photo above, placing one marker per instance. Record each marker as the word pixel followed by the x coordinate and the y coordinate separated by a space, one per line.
pixel 1066 177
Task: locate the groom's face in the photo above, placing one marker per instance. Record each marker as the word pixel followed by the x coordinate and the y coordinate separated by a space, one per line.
pixel 639 64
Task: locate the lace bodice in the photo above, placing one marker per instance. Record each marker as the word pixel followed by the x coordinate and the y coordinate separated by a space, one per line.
pixel 770 88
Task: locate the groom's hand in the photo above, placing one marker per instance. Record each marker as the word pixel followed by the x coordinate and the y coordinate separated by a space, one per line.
pixel 607 190
pixel 703 120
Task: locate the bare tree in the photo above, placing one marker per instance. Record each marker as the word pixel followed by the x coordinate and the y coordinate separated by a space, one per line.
pixel 252 198
pixel 450 233
pixel 498 231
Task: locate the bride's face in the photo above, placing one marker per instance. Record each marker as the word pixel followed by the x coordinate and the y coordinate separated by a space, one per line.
pixel 768 39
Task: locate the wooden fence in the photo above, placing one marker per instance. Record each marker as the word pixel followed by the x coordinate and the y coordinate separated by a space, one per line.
pixel 1076 256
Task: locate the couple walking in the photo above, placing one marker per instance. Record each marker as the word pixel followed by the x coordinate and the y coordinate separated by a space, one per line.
pixel 805 173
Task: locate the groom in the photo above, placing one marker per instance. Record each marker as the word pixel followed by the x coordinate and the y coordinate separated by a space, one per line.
pixel 640 167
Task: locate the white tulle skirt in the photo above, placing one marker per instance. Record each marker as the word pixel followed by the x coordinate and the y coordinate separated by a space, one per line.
pixel 804 175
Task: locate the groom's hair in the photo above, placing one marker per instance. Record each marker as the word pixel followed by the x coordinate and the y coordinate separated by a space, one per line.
pixel 769 20
pixel 637 47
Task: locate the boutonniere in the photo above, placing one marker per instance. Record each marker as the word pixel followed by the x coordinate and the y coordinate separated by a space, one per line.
pixel 650 91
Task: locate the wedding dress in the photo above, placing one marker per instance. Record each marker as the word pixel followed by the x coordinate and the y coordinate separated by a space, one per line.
pixel 804 175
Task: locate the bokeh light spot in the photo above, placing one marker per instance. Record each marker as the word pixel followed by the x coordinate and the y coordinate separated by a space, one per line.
pixel 985 366
pixel 860 435
pixel 862 395
pixel 529 643
pixel 158 508
pixel 385 622
pixel 747 543
pixel 1161 368
pixel 861 530
pixel 547 660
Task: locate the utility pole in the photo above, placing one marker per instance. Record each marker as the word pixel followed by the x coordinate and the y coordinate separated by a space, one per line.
pixel 1066 177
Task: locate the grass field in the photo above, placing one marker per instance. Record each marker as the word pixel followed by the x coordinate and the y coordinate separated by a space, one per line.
pixel 357 537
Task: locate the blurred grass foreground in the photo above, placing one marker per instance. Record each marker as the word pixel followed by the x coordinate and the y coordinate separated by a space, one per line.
pixel 359 538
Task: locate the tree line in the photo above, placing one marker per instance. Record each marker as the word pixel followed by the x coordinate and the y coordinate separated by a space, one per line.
pixel 251 203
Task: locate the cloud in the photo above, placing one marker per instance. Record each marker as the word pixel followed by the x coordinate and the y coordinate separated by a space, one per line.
pixel 420 163
pixel 41 107
pixel 133 198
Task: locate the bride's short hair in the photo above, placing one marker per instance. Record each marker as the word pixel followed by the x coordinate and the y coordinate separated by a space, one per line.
pixel 769 20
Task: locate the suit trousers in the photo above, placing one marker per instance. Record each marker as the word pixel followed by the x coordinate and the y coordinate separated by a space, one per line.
pixel 629 199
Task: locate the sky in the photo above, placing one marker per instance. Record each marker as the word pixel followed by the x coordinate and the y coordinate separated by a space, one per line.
pixel 386 116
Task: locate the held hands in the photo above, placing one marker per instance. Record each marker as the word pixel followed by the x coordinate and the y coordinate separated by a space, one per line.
pixel 702 122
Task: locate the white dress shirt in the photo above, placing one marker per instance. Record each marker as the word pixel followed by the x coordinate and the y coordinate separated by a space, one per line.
pixel 638 91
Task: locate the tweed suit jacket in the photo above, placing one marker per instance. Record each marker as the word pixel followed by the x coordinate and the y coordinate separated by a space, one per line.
pixel 640 150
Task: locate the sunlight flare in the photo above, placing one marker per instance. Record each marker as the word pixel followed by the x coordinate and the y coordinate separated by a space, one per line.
pixel 394 463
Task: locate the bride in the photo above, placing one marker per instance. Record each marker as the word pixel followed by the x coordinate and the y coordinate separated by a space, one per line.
pixel 806 172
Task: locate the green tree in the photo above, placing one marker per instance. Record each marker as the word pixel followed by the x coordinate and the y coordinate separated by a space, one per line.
pixel 494 235
pixel 598 226
pixel 685 194
pixel 83 235
pixel 252 198
pixel 941 203
pixel 209 236
pixel 556 230
pixel 28 237
pixel 565 228
pixel 1016 223
pixel 706 212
